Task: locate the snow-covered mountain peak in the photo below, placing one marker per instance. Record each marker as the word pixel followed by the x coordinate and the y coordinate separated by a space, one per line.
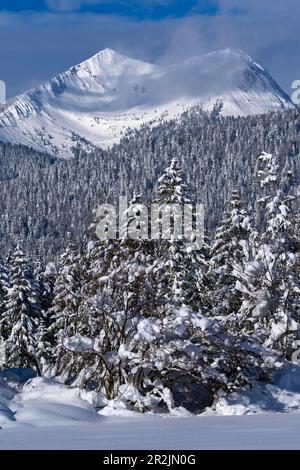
pixel 107 56
pixel 98 99
pixel 108 53
pixel 233 51
pixel 110 63
pixel 104 58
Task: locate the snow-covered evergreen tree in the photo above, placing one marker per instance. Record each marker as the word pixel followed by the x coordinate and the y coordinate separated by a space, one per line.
pixel 179 343
pixel 4 285
pixel 179 267
pixel 117 292
pixel 64 312
pixel 46 279
pixel 270 308
pixel 21 314
pixel 231 248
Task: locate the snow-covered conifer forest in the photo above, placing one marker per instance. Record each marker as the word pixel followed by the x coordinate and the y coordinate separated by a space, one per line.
pixel 149 323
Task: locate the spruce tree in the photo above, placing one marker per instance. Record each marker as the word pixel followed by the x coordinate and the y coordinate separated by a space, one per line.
pixel 21 314
pixel 4 285
pixel 270 308
pixel 64 312
pixel 178 267
pixel 46 277
pixel 230 248
pixel 117 293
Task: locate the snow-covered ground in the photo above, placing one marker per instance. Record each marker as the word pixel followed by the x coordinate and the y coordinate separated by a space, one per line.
pixel 37 413
pixel 270 431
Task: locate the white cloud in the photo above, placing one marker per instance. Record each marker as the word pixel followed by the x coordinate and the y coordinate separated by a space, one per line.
pixel 70 5
pixel 259 7
pixel 73 5
pixel 41 45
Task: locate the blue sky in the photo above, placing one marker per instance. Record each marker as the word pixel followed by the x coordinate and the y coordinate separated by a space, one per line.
pixel 40 38
pixel 140 9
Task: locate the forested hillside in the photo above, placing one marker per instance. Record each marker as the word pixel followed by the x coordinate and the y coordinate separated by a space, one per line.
pixel 42 199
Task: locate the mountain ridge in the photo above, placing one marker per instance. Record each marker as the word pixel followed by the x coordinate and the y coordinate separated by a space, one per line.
pixel 94 102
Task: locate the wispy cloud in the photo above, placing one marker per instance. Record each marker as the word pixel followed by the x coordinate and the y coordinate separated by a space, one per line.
pixel 36 46
pixel 73 5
